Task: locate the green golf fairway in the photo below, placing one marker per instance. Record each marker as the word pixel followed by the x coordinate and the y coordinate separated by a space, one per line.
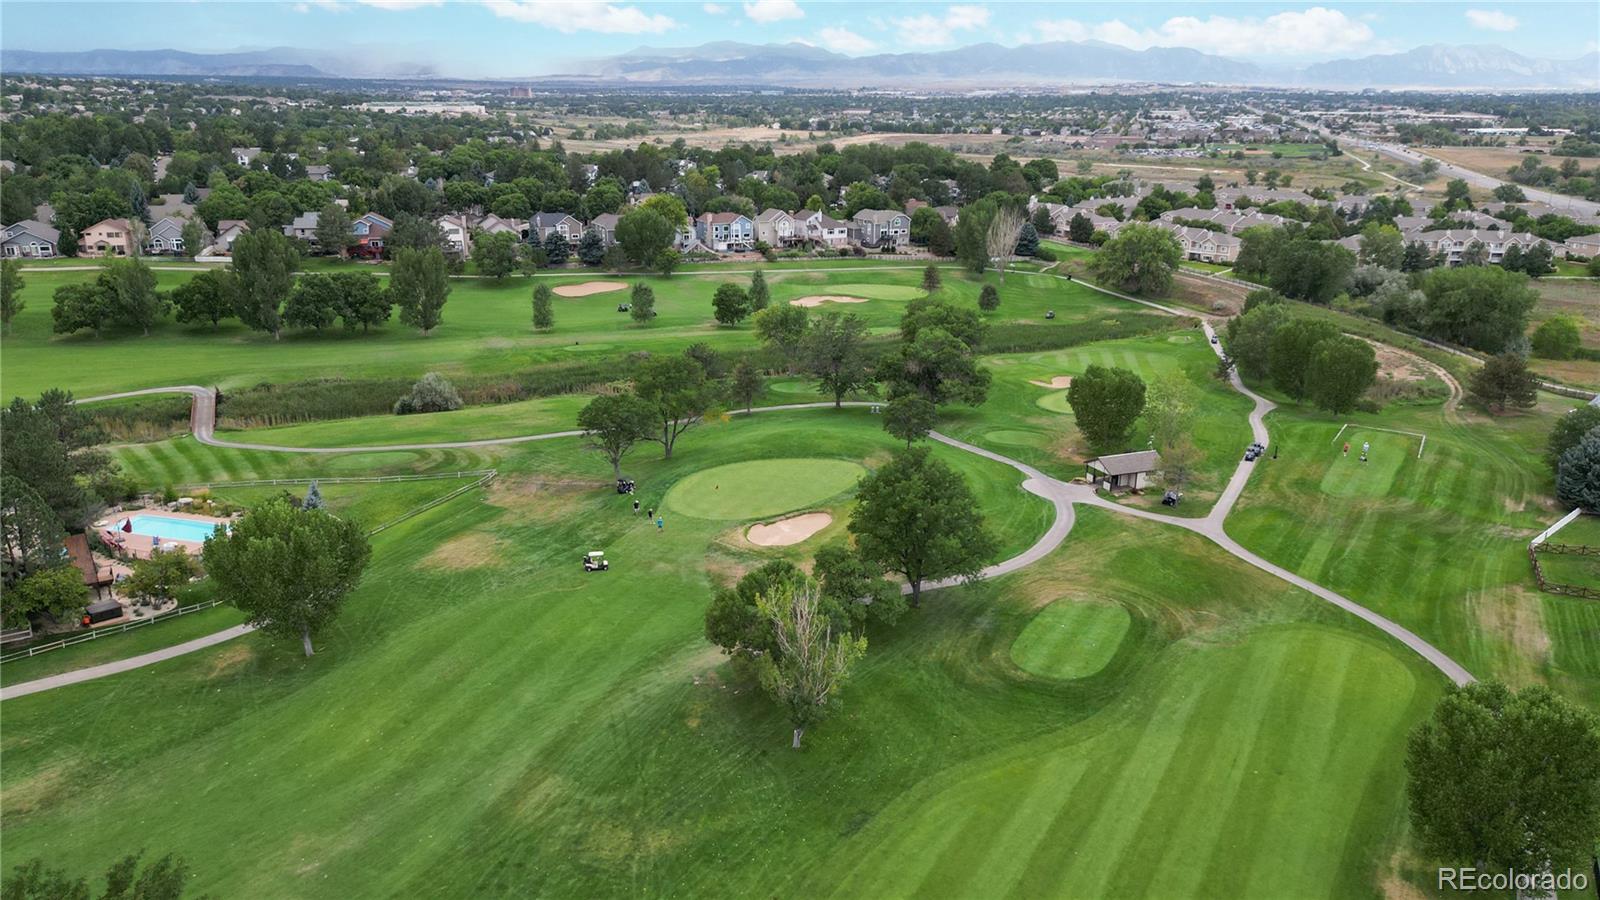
pixel 765 487
pixel 1348 476
pixel 873 291
pixel 1069 639
pixel 1015 438
pixel 1055 402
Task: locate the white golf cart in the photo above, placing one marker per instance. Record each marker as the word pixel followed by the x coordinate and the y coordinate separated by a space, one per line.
pixel 595 561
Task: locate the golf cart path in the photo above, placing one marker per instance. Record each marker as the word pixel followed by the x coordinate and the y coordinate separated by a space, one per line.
pixel 1061 494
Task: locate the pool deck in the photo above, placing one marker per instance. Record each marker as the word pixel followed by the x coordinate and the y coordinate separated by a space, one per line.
pixel 138 545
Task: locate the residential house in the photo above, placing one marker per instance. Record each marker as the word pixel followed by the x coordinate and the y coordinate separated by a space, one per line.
pixel 304 227
pixel 369 232
pixel 606 225
pixel 166 236
pixel 1452 244
pixel 108 237
pixel 880 228
pixel 913 204
pixel 1585 246
pixel 319 172
pixel 171 205
pixel 1202 245
pixel 1232 221
pixel 950 214
pixel 542 224
pixel 493 224
pixel 725 232
pixel 457 232
pixel 228 231
pixel 244 156
pixel 777 228
pixel 823 230
pixel 29 239
pixel 1122 471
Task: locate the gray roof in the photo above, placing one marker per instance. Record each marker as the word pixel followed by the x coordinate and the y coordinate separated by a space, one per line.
pixel 1127 463
pixel 550 219
pixel 880 216
pixel 305 220
pixel 37 229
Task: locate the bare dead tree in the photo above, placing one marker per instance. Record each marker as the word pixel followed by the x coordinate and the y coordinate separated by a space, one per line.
pixel 1001 241
pixel 811 662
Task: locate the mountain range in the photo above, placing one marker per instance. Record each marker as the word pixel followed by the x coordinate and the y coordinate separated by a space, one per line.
pixel 1054 63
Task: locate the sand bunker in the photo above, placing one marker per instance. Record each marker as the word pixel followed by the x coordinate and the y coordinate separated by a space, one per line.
pixel 788 531
pixel 1056 383
pixel 589 287
pixel 819 299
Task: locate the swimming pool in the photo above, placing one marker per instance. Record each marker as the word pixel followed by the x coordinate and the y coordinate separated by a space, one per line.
pixel 173 529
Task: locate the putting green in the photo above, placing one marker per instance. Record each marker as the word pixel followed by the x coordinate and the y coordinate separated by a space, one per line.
pixel 1015 438
pixel 1348 476
pixel 1069 639
pixel 749 490
pixel 1055 402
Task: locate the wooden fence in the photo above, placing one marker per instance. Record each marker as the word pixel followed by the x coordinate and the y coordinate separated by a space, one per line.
pixel 1541 544
pixel 110 629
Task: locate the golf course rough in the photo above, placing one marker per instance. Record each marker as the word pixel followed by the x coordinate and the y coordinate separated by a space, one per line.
pixel 1070 639
pixel 767 487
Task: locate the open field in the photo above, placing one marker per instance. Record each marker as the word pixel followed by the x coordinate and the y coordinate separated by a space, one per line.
pixel 486 330
pixel 1496 160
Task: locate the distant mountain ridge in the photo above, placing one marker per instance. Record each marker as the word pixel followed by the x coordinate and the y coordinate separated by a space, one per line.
pixel 1052 63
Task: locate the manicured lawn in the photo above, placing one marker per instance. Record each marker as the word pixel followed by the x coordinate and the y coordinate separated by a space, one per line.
pixel 111 647
pixel 487 329
pixel 1070 640
pixel 562 733
pixel 766 487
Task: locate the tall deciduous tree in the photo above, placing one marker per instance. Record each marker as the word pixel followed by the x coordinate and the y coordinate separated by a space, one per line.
pixel 917 517
pixel 129 289
pixel 362 300
pixel 1506 780
pixel 1483 307
pixel 834 353
pixel 730 304
pixel 909 418
pixel 495 254
pixel 760 296
pixel 782 328
pixel 613 424
pixel 1141 259
pixel 642 303
pixel 676 389
pixel 1000 241
pixel 265 262
pixel 11 285
pixel 745 384
pixel 642 233
pixel 1106 401
pixel 419 285
pixel 812 661
pixel 1292 346
pixel 1342 369
pixel 289 569
pixel 544 311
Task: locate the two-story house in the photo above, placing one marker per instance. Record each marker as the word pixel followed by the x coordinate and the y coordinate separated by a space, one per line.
pixel 823 230
pixel 726 232
pixel 880 229
pixel 304 227
pixel 776 228
pixel 542 224
pixel 605 225
pixel 370 231
pixel 107 237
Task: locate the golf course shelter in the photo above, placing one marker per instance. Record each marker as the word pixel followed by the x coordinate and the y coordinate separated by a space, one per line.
pixel 1122 471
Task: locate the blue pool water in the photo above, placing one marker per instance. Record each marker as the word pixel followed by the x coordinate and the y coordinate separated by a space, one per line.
pixel 172 529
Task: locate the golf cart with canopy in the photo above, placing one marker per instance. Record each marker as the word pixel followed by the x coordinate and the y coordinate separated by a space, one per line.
pixel 595 561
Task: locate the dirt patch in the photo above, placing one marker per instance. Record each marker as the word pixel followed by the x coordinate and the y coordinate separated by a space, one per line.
pixel 467 551
pixel 1394 364
pixel 588 288
pixel 232 658
pixel 788 531
pixel 39 789
pixel 819 299
pixel 1517 615
pixel 538 500
pixel 1056 383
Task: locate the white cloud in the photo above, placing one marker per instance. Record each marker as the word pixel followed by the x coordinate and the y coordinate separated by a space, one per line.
pixel 933 31
pixel 844 40
pixel 1056 30
pixel 766 11
pixel 1491 20
pixel 400 4
pixel 713 9
pixel 1317 31
pixel 329 5
pixel 568 16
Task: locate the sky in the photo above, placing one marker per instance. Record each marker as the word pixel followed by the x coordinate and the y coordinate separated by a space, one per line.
pixel 508 38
